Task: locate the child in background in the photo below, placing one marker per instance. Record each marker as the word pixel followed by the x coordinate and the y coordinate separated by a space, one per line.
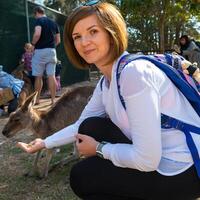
pixel 26 60
pixel 57 75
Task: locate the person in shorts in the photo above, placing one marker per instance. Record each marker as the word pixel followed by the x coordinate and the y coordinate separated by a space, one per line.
pixel 45 39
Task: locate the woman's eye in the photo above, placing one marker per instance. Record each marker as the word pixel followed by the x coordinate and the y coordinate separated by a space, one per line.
pixel 93 31
pixel 76 37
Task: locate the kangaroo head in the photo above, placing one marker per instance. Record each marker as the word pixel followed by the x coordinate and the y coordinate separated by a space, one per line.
pixel 21 118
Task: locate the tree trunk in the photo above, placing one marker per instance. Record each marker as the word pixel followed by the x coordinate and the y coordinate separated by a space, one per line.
pixel 162 35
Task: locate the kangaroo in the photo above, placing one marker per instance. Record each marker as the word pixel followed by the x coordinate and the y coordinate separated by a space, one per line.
pixel 44 123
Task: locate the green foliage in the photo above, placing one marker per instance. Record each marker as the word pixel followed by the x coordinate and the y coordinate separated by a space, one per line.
pixel 153 25
pixel 65 6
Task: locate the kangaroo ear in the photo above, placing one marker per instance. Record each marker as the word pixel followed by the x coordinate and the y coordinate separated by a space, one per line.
pixel 30 101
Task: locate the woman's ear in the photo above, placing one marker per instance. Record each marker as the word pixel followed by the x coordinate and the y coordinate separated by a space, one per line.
pixel 111 40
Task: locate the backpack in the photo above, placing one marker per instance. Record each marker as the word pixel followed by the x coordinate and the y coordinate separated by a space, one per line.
pixel 171 65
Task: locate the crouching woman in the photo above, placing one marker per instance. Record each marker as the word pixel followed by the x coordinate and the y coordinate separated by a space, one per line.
pixel 127 154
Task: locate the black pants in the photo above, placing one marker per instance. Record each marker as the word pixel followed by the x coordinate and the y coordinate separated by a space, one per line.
pixel 95 178
pixel 12 105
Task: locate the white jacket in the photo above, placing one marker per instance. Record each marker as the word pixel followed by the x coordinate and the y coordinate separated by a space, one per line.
pixel 147 92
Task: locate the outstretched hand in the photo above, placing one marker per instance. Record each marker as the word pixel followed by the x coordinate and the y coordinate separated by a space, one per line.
pixel 32 147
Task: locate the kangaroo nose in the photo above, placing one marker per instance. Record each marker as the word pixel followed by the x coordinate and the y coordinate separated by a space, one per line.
pixel 4 132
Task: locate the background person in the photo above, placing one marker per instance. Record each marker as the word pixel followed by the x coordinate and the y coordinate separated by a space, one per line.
pixel 8 81
pixel 57 75
pixel 45 39
pixel 27 60
pixel 189 49
pixel 128 155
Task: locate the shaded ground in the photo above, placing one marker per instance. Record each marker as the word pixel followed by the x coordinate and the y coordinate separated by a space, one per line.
pixel 14 163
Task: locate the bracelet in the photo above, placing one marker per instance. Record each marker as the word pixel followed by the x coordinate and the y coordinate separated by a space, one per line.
pixel 99 149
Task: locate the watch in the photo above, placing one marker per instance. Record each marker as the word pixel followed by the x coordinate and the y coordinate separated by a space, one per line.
pixel 99 149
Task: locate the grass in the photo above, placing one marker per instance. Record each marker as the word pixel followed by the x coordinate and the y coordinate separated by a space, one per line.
pixel 15 186
pixel 14 163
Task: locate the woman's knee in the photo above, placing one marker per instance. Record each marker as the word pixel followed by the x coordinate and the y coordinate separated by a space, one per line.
pixel 75 181
pixel 91 124
pixel 78 179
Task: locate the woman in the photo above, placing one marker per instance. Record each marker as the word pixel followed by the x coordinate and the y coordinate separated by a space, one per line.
pixel 128 156
pixel 189 49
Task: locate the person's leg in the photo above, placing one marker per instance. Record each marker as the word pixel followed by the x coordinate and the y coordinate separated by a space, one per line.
pixel 52 87
pixel 13 104
pixel 58 85
pixel 38 87
pixel 50 71
pixel 102 129
pixel 32 78
pixel 38 67
pixel 95 178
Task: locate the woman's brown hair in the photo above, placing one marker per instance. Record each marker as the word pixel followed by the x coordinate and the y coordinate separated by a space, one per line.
pixel 109 17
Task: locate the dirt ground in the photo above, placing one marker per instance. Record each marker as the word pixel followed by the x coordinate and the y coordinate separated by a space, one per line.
pixel 14 164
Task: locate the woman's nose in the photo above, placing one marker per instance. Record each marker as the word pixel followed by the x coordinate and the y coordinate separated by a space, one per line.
pixel 85 40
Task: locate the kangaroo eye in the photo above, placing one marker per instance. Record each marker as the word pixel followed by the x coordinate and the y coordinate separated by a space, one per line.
pixel 16 119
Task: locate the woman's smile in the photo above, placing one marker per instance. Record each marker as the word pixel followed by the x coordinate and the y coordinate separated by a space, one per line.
pixel 92 41
pixel 88 52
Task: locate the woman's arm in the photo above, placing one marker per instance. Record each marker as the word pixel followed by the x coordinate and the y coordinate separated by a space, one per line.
pixel 192 47
pixel 67 135
pixel 142 100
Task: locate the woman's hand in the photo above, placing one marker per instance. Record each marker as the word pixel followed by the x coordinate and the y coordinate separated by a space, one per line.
pixel 86 145
pixel 32 147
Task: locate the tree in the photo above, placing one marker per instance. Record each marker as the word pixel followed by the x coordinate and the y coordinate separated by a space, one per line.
pixel 153 25
pixel 64 6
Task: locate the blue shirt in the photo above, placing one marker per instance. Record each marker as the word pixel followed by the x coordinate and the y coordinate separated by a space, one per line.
pixel 49 30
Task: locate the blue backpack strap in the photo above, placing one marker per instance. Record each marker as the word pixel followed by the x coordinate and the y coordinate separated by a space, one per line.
pixel 101 83
pixel 174 60
pixel 166 121
pixel 170 122
pixel 168 59
pixel 188 91
pixel 124 60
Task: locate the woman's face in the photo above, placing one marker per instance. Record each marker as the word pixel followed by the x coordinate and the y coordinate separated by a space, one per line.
pixel 182 41
pixel 92 41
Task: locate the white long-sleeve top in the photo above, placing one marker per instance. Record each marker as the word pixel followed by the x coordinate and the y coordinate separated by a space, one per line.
pixel 147 93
